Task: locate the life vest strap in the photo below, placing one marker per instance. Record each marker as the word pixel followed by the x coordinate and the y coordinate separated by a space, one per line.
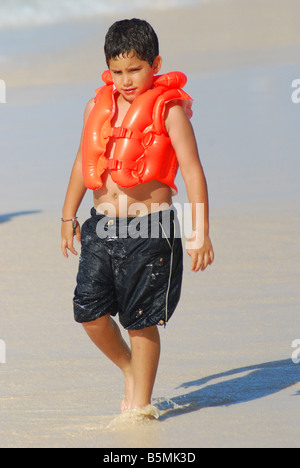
pixel 121 132
pixel 114 164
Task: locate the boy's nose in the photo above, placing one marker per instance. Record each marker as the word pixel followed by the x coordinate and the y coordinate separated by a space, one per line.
pixel 127 81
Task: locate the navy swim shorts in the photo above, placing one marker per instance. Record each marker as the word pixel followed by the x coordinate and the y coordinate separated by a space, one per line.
pixel 131 267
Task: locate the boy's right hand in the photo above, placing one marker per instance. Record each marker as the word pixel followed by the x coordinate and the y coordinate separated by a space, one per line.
pixel 67 237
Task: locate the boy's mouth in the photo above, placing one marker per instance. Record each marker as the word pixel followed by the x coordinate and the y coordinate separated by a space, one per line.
pixel 129 90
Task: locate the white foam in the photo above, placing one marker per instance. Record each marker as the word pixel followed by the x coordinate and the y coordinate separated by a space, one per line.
pixel 17 13
pixel 135 416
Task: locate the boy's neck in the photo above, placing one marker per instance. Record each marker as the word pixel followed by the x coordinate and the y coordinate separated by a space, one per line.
pixel 121 101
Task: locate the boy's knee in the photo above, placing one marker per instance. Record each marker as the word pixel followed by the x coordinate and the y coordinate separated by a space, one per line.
pixel 144 332
pixel 99 324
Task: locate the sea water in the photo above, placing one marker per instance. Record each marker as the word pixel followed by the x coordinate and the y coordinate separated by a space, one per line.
pixel 245 124
pixel 19 13
pixel 245 121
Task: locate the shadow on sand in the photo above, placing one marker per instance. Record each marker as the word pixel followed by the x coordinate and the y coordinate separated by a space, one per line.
pixel 248 383
pixel 9 216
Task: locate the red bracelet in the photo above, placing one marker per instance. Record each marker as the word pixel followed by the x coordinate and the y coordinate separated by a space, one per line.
pixel 74 223
pixel 71 219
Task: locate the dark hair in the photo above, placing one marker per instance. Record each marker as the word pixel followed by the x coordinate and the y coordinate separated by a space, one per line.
pixel 131 35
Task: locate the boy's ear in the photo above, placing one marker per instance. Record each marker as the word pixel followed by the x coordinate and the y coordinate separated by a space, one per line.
pixel 156 66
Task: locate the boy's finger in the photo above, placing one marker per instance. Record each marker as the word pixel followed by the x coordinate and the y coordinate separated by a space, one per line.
pixel 68 245
pixel 78 235
pixel 200 262
pixel 193 259
pixel 206 261
pixel 197 260
pixel 64 249
pixel 71 248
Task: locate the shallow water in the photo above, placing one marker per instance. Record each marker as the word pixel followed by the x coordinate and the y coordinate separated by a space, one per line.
pixel 225 376
pixel 245 123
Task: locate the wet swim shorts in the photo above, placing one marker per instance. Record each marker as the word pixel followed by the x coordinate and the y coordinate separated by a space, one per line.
pixel 131 267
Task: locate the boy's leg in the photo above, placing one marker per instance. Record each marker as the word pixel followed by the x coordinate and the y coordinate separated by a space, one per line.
pixel 145 352
pixel 105 333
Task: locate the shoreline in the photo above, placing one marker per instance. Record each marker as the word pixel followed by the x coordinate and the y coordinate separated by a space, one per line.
pixel 245 124
pixel 225 35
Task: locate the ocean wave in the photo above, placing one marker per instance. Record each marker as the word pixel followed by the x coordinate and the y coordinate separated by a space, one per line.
pixel 22 13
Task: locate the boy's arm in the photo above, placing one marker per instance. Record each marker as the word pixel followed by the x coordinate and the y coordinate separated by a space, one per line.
pixel 183 140
pixel 75 193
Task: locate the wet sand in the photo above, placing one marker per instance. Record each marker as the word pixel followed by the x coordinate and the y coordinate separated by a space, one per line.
pixel 226 377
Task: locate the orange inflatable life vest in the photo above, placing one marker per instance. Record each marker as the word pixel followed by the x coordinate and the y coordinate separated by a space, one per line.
pixel 143 150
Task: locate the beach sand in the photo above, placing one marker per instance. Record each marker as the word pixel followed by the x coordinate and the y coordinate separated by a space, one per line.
pixel 226 377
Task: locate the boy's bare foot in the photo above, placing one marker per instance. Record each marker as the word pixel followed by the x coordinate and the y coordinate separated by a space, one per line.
pixel 128 393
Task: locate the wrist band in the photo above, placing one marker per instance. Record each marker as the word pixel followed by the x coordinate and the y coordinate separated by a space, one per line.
pixel 71 219
pixel 74 223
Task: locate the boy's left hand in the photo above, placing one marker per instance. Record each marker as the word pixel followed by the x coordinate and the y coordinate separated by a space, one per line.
pixel 201 257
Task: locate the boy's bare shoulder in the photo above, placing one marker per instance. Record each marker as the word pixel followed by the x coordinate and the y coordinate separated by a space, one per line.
pixel 175 115
pixel 88 109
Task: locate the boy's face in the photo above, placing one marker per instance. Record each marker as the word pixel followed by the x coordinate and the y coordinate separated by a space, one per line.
pixel 133 76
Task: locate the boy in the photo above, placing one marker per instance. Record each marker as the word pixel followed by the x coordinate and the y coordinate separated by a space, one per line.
pixel 137 276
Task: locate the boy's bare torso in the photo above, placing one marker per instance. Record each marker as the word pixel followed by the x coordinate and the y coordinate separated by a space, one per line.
pixel 139 200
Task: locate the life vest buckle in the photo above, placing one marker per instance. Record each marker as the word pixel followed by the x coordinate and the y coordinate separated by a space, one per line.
pixel 140 168
pixel 121 132
pixel 113 165
pixel 148 139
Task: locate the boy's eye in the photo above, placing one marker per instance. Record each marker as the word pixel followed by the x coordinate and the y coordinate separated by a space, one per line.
pixel 118 72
